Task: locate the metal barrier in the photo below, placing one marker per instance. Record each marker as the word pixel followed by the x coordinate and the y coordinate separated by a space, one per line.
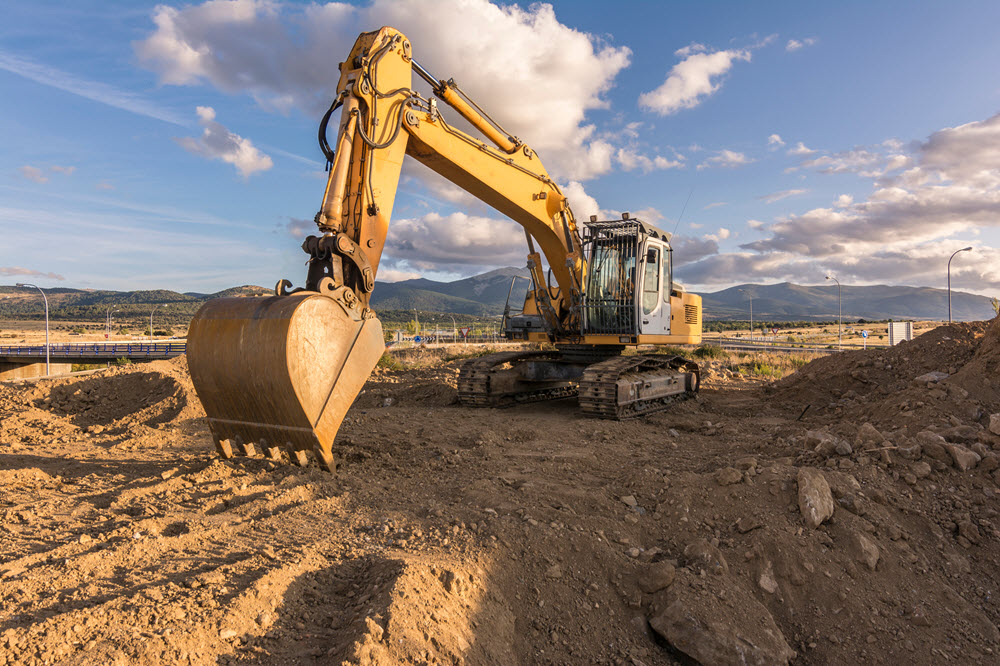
pixel 98 350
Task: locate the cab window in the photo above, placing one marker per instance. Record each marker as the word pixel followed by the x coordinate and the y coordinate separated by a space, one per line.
pixel 651 281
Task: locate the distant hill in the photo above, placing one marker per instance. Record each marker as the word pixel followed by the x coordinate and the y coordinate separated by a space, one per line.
pixel 787 301
pixel 477 295
pixel 485 295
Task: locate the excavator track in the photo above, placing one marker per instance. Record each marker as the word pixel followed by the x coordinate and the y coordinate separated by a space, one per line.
pixel 631 386
pixel 481 384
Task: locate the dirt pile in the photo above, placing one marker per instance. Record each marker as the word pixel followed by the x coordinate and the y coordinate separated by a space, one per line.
pixel 732 529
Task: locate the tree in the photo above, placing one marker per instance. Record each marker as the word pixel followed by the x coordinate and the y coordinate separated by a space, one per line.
pixel 996 306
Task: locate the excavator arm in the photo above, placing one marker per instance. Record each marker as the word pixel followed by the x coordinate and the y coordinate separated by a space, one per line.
pixel 281 372
pixel 381 119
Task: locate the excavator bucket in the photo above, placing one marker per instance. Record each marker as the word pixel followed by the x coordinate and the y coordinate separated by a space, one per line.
pixel 280 372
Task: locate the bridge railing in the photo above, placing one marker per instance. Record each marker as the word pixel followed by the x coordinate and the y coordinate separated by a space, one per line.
pixel 115 350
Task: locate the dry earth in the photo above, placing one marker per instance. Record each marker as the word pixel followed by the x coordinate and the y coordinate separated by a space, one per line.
pixel 847 514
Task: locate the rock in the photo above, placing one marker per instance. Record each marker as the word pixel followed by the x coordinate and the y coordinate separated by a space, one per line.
pixel 843 448
pixel 168 473
pixel 710 631
pixel 656 577
pixel 226 634
pixel 701 554
pixel 821 442
pixel 989 462
pixel 910 451
pixel 864 550
pixel 869 437
pixel 961 433
pixel 995 424
pixel 629 500
pixel 854 504
pixel 746 463
pixel 968 529
pixel 981 449
pixel 963 457
pixel 727 476
pixel 920 469
pixel 767 581
pixel 555 571
pixel 933 446
pixel 815 499
pixel 746 524
pixel 931 377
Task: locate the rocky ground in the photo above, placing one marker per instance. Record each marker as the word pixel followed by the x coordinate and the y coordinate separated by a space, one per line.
pixel 846 514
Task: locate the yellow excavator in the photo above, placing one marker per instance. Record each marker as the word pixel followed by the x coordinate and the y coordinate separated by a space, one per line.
pixel 281 372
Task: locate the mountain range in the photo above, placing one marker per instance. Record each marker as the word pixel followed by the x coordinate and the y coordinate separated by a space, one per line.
pixel 486 294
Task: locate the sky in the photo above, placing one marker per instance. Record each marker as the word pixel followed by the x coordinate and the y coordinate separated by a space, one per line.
pixel 173 145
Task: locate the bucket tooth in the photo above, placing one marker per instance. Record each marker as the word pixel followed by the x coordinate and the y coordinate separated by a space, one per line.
pixel 225 448
pixel 298 456
pixel 273 453
pixel 280 369
pixel 325 459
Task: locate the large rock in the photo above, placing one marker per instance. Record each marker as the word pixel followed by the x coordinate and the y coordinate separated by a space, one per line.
pixel 815 499
pixel 963 457
pixel 995 424
pixel 864 550
pixel 932 445
pixel 869 437
pixel 656 577
pixel 737 632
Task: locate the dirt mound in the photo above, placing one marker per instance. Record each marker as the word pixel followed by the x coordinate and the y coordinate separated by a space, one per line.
pixel 150 395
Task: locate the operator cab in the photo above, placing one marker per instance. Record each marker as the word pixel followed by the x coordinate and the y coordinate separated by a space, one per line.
pixel 629 278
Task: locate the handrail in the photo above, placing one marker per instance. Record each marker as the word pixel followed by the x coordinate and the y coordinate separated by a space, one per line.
pixel 113 350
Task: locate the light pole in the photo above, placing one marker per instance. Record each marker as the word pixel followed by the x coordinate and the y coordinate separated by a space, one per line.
pixel 107 322
pixel 840 314
pixel 454 331
pixel 25 285
pixel 964 249
pixel 750 296
pixel 161 305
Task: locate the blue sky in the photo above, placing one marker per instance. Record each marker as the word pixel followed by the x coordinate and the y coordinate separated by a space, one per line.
pixel 173 146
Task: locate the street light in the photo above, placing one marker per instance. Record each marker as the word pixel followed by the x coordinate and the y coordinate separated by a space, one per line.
pixel 750 296
pixel 107 322
pixel 840 314
pixel 454 331
pixel 25 285
pixel 964 249
pixel 161 305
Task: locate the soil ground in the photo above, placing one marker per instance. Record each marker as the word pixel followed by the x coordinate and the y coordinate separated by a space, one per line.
pixel 845 514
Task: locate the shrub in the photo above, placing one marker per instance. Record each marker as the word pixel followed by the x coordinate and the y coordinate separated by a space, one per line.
pixel 710 351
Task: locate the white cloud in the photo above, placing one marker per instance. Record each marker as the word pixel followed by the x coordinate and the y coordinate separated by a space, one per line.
pixel 721 234
pixel 715 205
pixel 440 242
pixel 796 44
pixel 783 194
pixel 92 90
pixel 218 143
pixel 629 159
pixel 284 56
pixel 774 142
pixel 726 159
pixel 67 170
pixel 28 272
pixel 800 149
pixel 691 80
pixel 582 204
pixel 34 174
pixel 300 228
pixel 902 233
pixel 393 275
pixel 104 185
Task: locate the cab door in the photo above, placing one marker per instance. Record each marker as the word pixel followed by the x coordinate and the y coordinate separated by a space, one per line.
pixel 654 292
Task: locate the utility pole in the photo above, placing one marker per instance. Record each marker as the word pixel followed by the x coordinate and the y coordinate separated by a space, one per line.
pixel 964 249
pixel 840 314
pixel 25 285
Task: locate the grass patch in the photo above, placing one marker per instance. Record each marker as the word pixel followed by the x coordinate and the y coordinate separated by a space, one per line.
pixel 390 362
pixel 710 351
pixel 80 367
